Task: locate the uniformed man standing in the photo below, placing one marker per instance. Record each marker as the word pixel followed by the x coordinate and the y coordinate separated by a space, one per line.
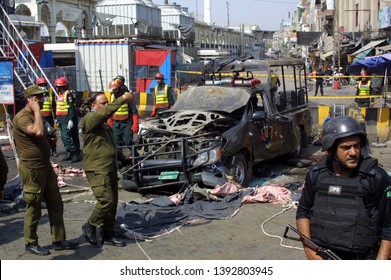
pixel 364 88
pixel 39 179
pixel 100 166
pixel 125 120
pixel 68 120
pixel 346 200
pixel 164 99
pixel 48 111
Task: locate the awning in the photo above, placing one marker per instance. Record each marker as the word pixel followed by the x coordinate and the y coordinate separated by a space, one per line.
pixel 362 55
pixel 384 48
pixel 368 46
pixel 323 56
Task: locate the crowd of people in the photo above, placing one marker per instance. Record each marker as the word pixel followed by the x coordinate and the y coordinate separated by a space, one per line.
pixel 109 124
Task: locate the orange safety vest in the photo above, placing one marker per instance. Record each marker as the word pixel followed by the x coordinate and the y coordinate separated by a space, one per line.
pixel 364 89
pixel 62 104
pixel 47 109
pixel 122 113
pixel 161 97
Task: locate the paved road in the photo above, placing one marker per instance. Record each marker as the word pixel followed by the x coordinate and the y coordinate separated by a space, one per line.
pixel 244 237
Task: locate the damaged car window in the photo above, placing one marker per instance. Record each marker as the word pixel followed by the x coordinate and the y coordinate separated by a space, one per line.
pixel 212 98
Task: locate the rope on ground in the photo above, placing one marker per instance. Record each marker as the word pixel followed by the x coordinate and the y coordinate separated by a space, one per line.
pixel 285 207
pixel 142 250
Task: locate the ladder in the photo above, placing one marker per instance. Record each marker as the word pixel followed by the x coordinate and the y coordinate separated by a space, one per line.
pixel 337 110
pixel 12 45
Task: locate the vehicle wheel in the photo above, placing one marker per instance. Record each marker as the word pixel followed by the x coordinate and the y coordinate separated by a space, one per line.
pixel 239 170
pixel 128 185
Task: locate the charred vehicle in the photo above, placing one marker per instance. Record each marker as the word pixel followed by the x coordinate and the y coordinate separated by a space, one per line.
pixel 216 131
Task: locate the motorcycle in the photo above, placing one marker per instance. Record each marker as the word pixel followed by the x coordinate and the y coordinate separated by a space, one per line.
pixel 330 81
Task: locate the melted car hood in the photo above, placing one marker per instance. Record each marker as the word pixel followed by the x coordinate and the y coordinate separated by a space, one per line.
pixel 186 122
pixel 212 98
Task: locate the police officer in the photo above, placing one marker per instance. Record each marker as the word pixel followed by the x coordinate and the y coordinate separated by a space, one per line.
pixel 364 88
pixel 319 81
pixel 39 179
pixel 164 99
pixel 68 120
pixel 100 166
pixel 125 119
pixel 346 201
pixel 48 111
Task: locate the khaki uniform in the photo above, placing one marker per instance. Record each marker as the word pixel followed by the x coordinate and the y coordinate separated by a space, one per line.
pixel 39 180
pixel 100 164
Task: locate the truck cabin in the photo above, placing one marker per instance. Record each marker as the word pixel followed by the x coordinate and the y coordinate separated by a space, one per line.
pixel 284 79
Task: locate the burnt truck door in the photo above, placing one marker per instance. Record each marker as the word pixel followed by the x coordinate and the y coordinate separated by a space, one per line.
pixel 271 131
pixel 285 134
pixel 262 130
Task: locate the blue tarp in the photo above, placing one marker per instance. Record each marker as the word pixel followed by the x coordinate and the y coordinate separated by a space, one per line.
pixel 373 64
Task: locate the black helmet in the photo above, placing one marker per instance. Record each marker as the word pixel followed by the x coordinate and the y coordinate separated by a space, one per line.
pixel 341 127
pixel 121 78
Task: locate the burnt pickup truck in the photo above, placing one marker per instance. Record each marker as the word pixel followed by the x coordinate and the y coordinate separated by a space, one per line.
pixel 220 130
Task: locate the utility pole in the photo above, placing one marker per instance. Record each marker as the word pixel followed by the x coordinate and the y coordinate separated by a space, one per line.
pixel 196 9
pixel 227 13
pixel 337 51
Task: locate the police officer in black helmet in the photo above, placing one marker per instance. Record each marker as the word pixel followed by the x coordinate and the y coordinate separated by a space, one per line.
pixel 346 200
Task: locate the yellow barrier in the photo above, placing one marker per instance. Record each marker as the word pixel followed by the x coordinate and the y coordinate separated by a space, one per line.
pixel 377 120
pixel 341 97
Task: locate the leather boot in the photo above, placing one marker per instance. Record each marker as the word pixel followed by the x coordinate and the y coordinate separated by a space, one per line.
pixel 109 238
pixel 37 250
pixel 68 156
pixel 65 245
pixel 90 233
pixel 76 157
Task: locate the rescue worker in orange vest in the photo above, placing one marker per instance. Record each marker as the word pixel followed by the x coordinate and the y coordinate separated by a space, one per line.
pixel 164 99
pixel 125 120
pixel 364 88
pixel 67 120
pixel 48 112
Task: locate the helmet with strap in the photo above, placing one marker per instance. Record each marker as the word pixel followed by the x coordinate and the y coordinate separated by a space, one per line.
pixel 341 127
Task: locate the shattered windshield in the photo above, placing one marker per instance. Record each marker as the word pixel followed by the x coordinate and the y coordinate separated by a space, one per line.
pixel 212 98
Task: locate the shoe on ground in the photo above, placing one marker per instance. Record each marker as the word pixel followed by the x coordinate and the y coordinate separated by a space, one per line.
pixel 68 156
pixel 113 241
pixel 65 245
pixel 109 238
pixel 90 234
pixel 35 249
pixel 76 158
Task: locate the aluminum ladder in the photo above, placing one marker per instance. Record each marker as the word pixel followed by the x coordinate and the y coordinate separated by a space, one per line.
pixel 12 45
pixel 338 110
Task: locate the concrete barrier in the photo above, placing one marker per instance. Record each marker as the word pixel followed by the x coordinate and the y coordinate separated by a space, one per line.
pixel 377 120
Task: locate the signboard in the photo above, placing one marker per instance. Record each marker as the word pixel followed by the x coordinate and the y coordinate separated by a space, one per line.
pixel 6 82
pixel 385 17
